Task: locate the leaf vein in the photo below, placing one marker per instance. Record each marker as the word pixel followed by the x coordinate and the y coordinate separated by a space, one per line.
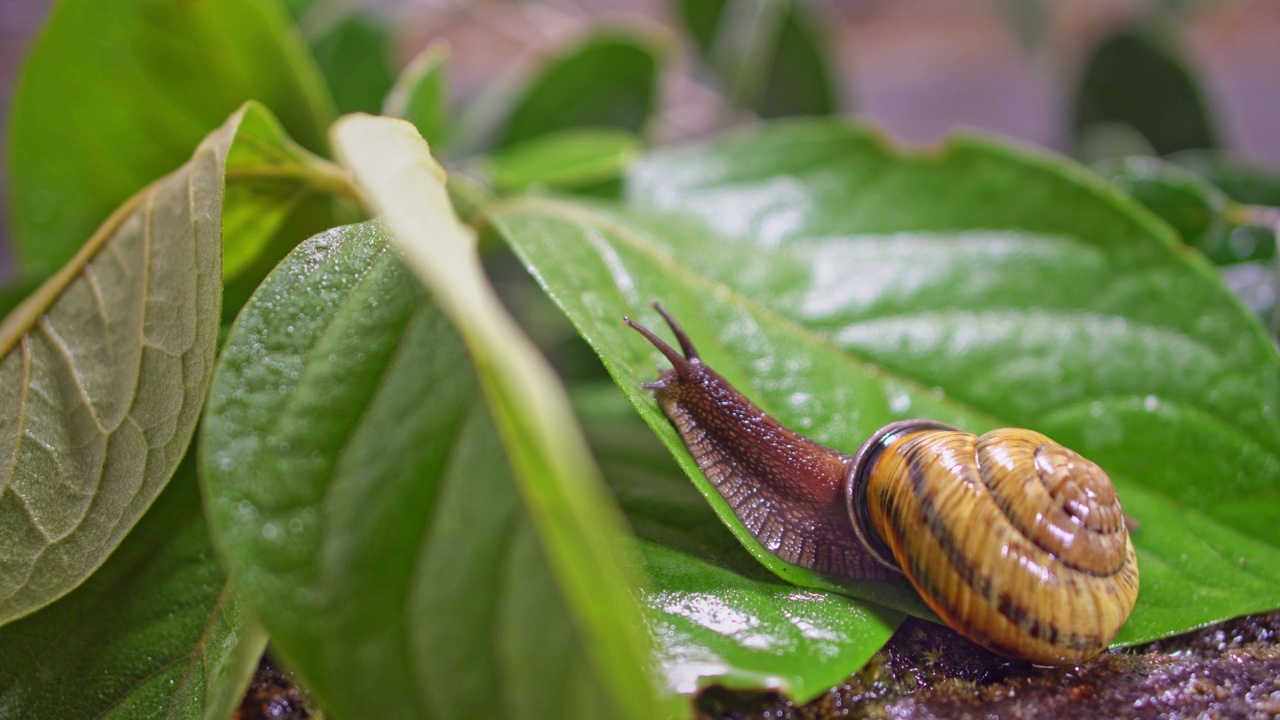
pixel 64 351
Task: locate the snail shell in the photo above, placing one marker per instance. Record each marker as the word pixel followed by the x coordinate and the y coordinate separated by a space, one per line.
pixel 1016 542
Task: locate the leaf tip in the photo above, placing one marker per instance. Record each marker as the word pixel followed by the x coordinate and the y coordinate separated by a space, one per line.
pixel 365 130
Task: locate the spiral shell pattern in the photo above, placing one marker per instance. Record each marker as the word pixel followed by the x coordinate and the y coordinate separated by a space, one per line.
pixel 1016 542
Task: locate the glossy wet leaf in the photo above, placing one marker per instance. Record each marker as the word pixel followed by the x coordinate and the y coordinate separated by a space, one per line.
pixel 608 81
pixel 716 615
pixel 421 95
pixel 1141 81
pixel 842 285
pixel 104 373
pixel 355 57
pixel 114 95
pixel 568 159
pixel 574 518
pixel 157 632
pixel 768 54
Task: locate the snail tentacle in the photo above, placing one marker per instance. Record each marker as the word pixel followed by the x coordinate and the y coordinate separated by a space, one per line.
pixel 784 488
pixel 679 363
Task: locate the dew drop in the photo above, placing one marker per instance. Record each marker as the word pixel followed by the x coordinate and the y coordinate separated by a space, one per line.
pixel 899 403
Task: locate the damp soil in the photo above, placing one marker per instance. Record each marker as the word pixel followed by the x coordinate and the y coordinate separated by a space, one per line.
pixel 1228 670
pixel 273 694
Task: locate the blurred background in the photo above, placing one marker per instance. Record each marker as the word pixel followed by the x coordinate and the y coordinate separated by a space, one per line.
pixel 1090 78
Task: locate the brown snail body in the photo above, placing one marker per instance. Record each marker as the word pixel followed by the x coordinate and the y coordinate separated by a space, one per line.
pixel 1017 543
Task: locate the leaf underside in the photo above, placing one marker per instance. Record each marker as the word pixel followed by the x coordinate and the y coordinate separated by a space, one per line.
pixel 104 373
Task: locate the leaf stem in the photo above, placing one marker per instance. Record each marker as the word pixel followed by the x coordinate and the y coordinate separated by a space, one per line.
pixel 319 174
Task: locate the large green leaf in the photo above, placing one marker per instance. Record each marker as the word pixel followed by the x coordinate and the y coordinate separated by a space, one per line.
pixel 157 632
pixel 105 368
pixel 355 56
pixel 716 615
pixel 572 515
pixel 358 491
pixel 842 284
pixel 114 95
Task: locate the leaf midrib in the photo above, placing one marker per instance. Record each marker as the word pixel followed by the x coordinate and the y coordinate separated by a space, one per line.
pixel 20 321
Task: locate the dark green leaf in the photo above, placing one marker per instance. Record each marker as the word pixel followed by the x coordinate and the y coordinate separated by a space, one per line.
pixel 421 95
pixel 1256 190
pixel 355 57
pixel 1241 181
pixel 1140 81
pixel 568 159
pixel 14 293
pixel 701 18
pixel 1203 215
pixel 608 81
pixel 114 95
pixel 574 518
pixel 157 632
pixel 841 285
pixel 718 616
pixel 800 80
pixel 1196 210
pixel 358 490
pixel 768 54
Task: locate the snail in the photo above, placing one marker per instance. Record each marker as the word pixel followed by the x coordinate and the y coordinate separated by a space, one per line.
pixel 1016 542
